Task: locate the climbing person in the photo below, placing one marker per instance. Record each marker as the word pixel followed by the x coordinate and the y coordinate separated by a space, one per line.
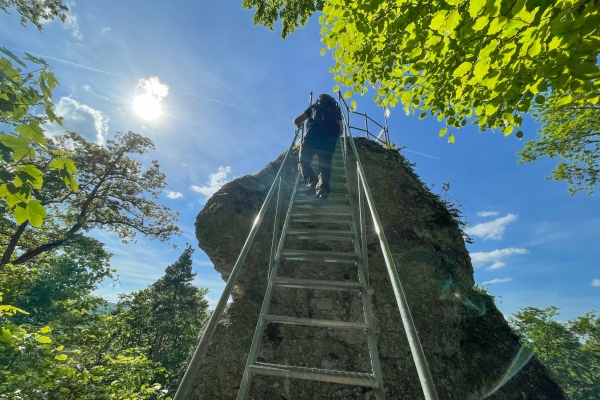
pixel 324 127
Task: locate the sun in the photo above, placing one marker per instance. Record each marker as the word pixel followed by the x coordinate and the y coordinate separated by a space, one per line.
pixel 147 106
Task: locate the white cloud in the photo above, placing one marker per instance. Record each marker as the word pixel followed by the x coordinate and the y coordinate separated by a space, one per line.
pixel 494 257
pixel 174 195
pixel 105 30
pixel 72 24
pixel 154 87
pixel 496 281
pixel 596 282
pixel 92 124
pixel 488 213
pixel 492 229
pixel 215 181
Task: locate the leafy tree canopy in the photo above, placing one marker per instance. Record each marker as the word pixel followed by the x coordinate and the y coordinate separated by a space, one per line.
pixel 570 350
pixel 36 11
pixel 485 60
pixel 573 134
pixel 293 13
pixel 166 317
pixel 115 193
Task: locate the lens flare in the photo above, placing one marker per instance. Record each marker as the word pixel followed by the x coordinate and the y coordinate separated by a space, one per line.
pixel 147 106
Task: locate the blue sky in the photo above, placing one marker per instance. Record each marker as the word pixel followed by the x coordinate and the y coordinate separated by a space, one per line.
pixel 233 91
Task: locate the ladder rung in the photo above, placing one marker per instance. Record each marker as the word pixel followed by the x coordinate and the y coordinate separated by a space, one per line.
pixel 324 256
pixel 322 323
pixel 330 201
pixel 326 218
pixel 331 186
pixel 315 284
pixel 315 374
pixel 323 234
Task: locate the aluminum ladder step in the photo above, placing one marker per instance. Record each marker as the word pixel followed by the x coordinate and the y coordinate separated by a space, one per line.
pixel 309 201
pixel 322 234
pixel 315 374
pixel 314 284
pixel 324 256
pixel 321 217
pixel 322 323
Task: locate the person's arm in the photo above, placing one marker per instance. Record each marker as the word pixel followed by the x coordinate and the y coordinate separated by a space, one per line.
pixel 300 119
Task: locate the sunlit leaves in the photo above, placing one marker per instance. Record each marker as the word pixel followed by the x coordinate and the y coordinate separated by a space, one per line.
pixel 32 131
pixel 472 59
pixel 20 150
pixel 32 211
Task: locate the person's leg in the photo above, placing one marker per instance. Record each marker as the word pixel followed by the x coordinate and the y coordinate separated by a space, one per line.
pixel 306 155
pixel 325 153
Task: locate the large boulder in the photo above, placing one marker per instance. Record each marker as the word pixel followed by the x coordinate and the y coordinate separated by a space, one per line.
pixel 471 350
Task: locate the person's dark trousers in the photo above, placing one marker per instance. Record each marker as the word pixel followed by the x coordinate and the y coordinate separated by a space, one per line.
pixel 324 147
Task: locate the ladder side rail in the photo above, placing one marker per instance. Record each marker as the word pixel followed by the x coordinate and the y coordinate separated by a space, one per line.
pixel 202 347
pixel 255 346
pixel 275 228
pixel 409 326
pixel 363 227
pixel 365 296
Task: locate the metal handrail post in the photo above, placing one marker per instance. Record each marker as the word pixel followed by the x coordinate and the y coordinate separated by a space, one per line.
pixel 202 347
pixel 409 326
pixel 366 126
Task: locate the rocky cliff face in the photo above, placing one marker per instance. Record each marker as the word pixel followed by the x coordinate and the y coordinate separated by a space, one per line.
pixel 469 346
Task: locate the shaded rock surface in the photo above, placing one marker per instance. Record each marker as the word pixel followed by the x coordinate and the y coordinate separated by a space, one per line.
pixel 469 346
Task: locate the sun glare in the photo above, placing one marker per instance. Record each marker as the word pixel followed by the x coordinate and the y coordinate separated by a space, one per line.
pixel 147 106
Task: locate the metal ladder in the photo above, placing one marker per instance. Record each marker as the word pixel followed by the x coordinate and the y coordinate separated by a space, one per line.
pixel 304 209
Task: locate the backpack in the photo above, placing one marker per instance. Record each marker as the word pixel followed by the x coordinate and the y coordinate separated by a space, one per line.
pixel 325 110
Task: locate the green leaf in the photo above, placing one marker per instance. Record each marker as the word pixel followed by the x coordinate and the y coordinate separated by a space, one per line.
pixel 11 55
pixel 453 20
pixel 19 146
pixel 481 23
pixel 564 100
pixel 32 131
pixel 540 99
pixel 32 211
pixel 438 21
pixel 519 135
pixel 451 139
pixel 423 115
pixel 475 7
pixel 535 48
pixel 60 357
pixel 31 175
pixel 46 329
pixel 443 131
pixel 44 340
pixel 508 130
pixel 462 69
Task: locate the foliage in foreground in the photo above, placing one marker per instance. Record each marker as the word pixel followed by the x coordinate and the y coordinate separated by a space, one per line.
pixel 570 350
pixel 27 159
pixel 458 59
pixel 486 62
